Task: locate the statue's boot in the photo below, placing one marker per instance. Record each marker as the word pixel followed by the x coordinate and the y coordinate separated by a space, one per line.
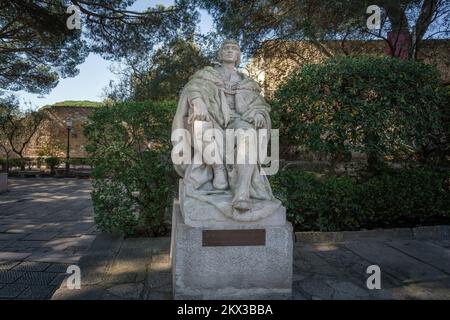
pixel 241 200
pixel 242 204
pixel 220 180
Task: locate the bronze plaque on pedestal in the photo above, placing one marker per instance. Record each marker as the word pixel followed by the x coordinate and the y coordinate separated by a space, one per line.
pixel 239 237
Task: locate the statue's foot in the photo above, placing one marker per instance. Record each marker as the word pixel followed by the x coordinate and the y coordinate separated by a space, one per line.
pixel 220 181
pixel 242 204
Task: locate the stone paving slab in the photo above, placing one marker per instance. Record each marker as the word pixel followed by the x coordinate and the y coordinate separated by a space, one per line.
pixel 31 266
pixel 17 256
pixel 335 271
pixel 7 265
pixel 428 253
pixel 344 262
pixel 115 268
pixel 9 276
pixel 41 236
pixel 37 292
pixel 23 245
pixel 54 257
pixel 45 226
pixel 11 291
pixel 394 262
pixel 36 278
pixel 58 267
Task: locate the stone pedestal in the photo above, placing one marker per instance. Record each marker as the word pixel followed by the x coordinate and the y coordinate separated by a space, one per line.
pixel 242 261
pixel 3 182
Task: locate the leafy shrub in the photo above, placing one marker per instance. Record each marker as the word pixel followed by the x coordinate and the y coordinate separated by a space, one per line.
pixel 444 147
pixel 134 180
pixel 391 199
pixel 52 162
pixel 17 163
pixel 80 161
pixel 114 212
pixel 407 197
pixel 378 106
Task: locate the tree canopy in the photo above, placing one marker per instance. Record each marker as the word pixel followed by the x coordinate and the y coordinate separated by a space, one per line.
pixel 257 21
pixel 37 48
pixel 162 75
pixel 17 127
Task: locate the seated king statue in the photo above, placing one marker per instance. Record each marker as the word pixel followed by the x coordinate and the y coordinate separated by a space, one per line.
pixel 223 98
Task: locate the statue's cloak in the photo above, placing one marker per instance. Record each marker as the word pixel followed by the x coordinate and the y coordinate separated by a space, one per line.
pixel 209 86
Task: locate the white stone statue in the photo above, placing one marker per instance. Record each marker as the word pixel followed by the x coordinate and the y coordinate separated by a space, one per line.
pixel 222 98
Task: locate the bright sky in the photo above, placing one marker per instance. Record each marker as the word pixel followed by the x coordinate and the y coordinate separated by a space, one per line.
pixel 94 73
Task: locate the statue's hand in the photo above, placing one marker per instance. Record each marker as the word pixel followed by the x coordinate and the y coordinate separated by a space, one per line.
pixel 200 110
pixel 259 120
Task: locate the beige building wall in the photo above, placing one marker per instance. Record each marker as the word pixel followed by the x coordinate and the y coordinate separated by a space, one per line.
pixel 276 60
pixel 51 137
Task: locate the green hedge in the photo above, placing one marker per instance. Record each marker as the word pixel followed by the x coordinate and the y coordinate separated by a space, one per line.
pixel 49 161
pixel 17 162
pixel 383 107
pixel 392 199
pixel 52 162
pixel 134 180
pixel 78 161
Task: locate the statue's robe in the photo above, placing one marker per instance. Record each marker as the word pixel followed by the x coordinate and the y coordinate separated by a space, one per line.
pixel 211 88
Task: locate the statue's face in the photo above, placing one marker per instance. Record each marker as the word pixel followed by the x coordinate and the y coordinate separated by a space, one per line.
pixel 230 53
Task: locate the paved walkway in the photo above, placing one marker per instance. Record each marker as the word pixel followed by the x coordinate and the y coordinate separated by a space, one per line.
pixel 134 268
pixel 410 269
pixel 45 226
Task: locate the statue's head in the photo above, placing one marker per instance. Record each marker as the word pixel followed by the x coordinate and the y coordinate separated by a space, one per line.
pixel 230 52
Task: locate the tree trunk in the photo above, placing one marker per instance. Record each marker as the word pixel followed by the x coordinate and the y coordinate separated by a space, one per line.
pixel 427 12
pixel 400 34
pixel 399 22
pixel 373 163
pixel 22 162
pixel 7 163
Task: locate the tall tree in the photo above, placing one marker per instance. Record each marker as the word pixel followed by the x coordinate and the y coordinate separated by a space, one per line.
pixel 256 21
pixel 37 47
pixel 162 75
pixel 17 127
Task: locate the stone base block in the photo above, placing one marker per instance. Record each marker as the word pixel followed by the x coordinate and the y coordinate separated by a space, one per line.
pixel 224 270
pixel 201 213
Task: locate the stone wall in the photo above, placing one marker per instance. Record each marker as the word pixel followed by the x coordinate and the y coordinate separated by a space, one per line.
pixel 276 60
pixel 51 137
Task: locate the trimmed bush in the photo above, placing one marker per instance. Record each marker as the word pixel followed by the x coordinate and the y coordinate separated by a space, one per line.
pixel 52 162
pixel 18 163
pixel 383 107
pixel 79 161
pixel 404 198
pixel 134 181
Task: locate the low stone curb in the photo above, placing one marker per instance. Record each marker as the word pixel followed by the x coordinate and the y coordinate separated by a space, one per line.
pixel 441 232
